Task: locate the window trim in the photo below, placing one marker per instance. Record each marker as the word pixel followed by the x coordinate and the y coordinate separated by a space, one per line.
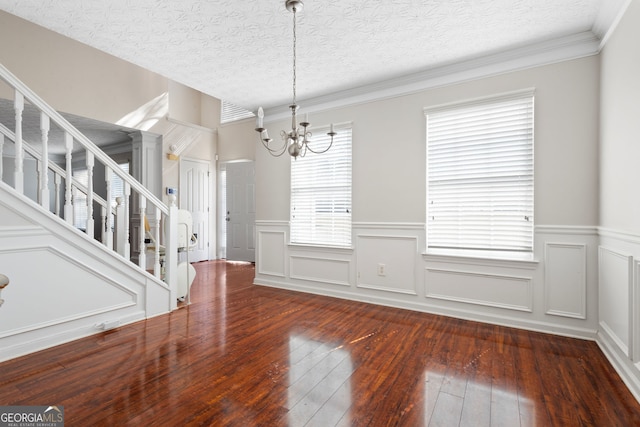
pixel 320 130
pixel 525 255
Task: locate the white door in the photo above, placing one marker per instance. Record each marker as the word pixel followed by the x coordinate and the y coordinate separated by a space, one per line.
pixel 194 197
pixel 241 212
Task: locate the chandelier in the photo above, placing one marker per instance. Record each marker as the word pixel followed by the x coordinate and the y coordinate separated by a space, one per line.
pixel 296 141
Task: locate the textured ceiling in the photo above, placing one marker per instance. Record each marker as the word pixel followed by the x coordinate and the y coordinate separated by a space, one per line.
pixel 240 51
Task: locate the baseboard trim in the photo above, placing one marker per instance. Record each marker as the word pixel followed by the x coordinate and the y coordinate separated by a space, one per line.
pixel 623 365
pixel 474 316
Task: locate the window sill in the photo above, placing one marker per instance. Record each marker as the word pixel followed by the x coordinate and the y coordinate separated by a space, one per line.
pixel 525 260
pixel 327 248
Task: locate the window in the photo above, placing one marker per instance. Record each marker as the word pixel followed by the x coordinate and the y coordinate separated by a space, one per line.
pixel 480 174
pixel 321 192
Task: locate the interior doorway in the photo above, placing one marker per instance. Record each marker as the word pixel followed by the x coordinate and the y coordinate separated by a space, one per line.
pixel 237 209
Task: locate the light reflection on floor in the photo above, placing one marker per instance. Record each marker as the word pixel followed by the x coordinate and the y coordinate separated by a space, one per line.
pixel 319 391
pixel 449 400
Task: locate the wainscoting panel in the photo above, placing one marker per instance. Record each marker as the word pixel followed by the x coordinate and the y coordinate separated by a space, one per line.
pixel 37 300
pixel 325 270
pixel 635 314
pixel 509 292
pixel 271 252
pixel 615 295
pixel 565 284
pixel 387 263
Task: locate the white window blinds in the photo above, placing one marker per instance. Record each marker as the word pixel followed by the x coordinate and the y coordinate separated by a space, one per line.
pixel 480 175
pixel 321 192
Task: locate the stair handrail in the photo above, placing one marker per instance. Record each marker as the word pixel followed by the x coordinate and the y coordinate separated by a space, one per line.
pixel 146 195
pixel 54 167
pixel 63 123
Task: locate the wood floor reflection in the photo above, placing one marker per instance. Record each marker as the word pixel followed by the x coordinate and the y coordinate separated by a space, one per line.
pixel 246 355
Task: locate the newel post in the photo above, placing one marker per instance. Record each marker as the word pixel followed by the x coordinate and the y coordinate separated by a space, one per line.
pixel 171 252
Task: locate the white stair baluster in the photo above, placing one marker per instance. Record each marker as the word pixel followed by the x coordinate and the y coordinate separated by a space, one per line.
pixel 103 225
pixel 142 258
pixel 19 160
pixel 90 221
pixel 57 183
pixel 108 226
pixel 44 172
pixel 156 233
pixel 127 228
pixel 68 180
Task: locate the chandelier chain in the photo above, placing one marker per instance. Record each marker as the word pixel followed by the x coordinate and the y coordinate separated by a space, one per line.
pixel 294 56
pixel 295 141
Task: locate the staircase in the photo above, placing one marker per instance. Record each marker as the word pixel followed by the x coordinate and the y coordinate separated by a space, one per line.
pixel 72 281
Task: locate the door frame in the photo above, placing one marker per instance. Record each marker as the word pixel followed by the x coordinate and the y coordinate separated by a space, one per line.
pixel 221 211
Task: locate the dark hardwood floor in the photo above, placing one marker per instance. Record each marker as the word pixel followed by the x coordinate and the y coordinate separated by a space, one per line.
pixel 246 355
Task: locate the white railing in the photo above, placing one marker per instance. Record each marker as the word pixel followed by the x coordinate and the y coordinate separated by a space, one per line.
pixel 117 233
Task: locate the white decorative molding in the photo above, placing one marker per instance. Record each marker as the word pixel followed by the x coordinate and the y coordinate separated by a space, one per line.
pixel 58 334
pixel 614 338
pixel 608 18
pixel 624 236
pixel 565 284
pixel 325 270
pixel 271 223
pixel 133 297
pixel 271 252
pixel 635 314
pixel 395 254
pixel 499 260
pixel 21 231
pixel 615 296
pixel 412 226
pixel 547 52
pixel 624 367
pixel 493 290
pixel 567 230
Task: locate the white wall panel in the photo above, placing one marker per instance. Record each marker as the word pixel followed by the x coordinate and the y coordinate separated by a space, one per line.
pixel 495 290
pixel 38 297
pixel 614 296
pixel 325 270
pixel 565 281
pixel 271 253
pixel 387 263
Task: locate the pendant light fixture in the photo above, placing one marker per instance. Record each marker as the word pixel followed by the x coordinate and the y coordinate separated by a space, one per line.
pixel 296 141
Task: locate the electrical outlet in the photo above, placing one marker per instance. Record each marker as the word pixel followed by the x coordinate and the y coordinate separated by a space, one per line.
pixel 382 270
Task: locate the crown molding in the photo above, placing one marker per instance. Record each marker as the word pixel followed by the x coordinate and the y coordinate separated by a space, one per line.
pixel 608 18
pixel 534 55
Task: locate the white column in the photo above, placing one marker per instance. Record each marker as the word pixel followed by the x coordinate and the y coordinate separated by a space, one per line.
pixel 44 172
pixel 19 166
